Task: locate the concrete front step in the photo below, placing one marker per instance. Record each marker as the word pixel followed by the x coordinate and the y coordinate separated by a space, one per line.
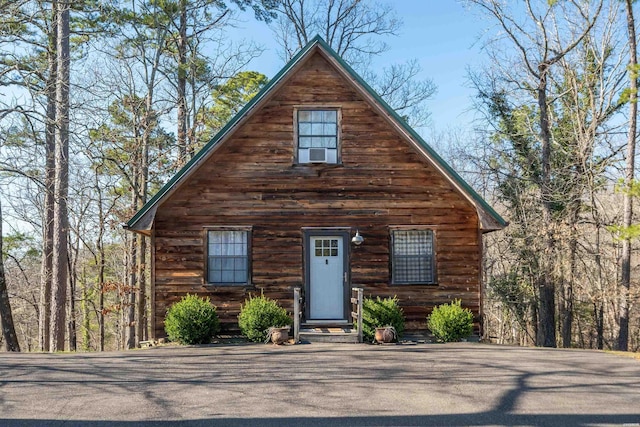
pixel 331 335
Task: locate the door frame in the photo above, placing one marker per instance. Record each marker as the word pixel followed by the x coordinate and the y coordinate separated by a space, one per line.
pixel 345 234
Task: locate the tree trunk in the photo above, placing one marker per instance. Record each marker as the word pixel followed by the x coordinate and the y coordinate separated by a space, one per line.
pixel 73 337
pixel 130 326
pixel 546 336
pixel 44 321
pixel 61 221
pixel 101 267
pixel 6 317
pixel 101 299
pixel 141 330
pixel 142 189
pixel 598 314
pixel 141 240
pixel 625 272
pixel 567 318
pixel 182 85
pixel 598 304
pixel 86 320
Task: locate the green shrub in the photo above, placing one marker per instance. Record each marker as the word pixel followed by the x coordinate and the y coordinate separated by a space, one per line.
pixel 258 314
pixel 192 320
pixel 450 322
pixel 377 313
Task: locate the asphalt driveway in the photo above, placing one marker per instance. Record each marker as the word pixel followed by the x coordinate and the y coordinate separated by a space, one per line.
pixel 321 384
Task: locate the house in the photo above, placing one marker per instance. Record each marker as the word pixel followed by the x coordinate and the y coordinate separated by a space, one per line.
pixel 277 198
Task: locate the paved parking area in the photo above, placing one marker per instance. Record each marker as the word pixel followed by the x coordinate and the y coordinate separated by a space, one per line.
pixel 321 384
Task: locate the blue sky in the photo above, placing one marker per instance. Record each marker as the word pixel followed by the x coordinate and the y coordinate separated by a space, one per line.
pixel 440 34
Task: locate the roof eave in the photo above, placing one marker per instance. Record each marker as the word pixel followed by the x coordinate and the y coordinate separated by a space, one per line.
pixel 147 213
pixel 489 219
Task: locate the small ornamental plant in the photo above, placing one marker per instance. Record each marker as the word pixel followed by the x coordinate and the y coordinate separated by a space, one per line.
pixel 378 313
pixel 450 322
pixel 258 314
pixel 192 320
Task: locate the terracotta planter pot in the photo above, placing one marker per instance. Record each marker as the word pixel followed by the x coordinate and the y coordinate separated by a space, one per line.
pixel 279 335
pixel 386 334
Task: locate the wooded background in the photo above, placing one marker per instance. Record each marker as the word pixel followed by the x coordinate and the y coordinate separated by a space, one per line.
pixel 103 101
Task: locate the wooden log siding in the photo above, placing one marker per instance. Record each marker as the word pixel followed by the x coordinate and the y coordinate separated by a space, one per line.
pixel 252 180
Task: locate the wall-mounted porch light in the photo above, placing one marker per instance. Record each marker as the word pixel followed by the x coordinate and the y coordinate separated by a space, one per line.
pixel 357 239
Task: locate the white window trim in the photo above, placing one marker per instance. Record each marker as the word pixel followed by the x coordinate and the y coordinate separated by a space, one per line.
pixel 336 157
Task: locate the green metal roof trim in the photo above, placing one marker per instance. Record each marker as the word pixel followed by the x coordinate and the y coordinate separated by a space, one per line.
pixel 413 133
pixel 317 40
pixel 218 136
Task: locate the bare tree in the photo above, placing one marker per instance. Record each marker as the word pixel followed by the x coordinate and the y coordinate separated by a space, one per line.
pixel 625 267
pixel 29 28
pixel 349 26
pixel 44 323
pixel 60 275
pixel 354 28
pixel 588 84
pixel 535 35
pixel 193 27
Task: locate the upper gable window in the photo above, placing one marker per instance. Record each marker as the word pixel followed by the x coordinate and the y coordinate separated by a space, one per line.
pixel 317 136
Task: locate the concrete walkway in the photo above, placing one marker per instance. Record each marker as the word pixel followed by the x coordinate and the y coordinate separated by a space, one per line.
pixel 321 385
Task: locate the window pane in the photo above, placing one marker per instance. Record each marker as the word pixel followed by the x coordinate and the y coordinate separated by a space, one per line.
pixel 316 116
pixel 227 263
pixel 240 276
pixel 329 142
pixel 329 129
pixel 226 249
pixel 215 276
pixel 227 276
pixel 316 129
pixel 304 129
pixel 319 142
pixel 305 142
pixel 304 116
pixel 330 116
pixel 214 249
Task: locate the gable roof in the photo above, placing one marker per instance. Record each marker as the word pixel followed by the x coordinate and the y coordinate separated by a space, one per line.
pixel 490 220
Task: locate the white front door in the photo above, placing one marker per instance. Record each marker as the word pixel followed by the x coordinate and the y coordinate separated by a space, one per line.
pixel 326 277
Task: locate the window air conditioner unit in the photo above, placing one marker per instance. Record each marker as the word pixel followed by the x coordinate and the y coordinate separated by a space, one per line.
pixel 317 155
